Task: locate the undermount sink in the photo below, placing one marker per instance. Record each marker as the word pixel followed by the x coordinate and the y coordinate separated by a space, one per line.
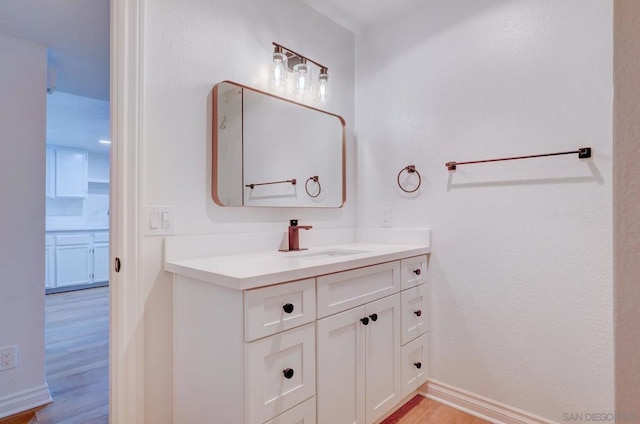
pixel 325 253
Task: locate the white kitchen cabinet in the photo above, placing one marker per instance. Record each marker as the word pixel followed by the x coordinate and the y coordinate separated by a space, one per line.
pixel 76 258
pixel 359 374
pixel 49 262
pixel 67 173
pixel 73 260
pixel 100 251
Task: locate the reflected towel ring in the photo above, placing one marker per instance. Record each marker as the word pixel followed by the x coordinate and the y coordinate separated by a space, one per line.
pixel 411 169
pixel 316 180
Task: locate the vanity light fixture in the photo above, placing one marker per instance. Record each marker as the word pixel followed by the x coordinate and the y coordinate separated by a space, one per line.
pixel 285 62
pixel 104 141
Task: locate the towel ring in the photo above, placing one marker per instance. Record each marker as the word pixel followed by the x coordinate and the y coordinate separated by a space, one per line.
pixel 316 180
pixel 411 169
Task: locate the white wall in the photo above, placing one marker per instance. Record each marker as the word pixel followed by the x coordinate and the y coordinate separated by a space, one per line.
pixel 22 164
pixel 522 263
pixel 189 47
pixel 626 206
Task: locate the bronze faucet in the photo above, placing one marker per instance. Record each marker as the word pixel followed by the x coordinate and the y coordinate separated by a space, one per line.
pixel 294 239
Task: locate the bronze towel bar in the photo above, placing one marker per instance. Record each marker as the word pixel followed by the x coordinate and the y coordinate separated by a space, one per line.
pixel 583 153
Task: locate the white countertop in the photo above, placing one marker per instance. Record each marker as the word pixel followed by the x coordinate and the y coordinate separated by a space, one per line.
pixel 247 271
pixel 78 228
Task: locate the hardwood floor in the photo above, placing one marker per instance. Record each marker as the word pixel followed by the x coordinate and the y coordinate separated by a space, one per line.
pixel 421 410
pixel 77 360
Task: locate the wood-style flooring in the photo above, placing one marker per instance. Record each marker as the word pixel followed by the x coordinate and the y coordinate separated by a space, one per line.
pixel 77 360
pixel 421 410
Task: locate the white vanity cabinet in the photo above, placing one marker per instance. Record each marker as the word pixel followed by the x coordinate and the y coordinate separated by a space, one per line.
pixel 303 343
pixel 220 377
pixel 415 323
pixel 359 370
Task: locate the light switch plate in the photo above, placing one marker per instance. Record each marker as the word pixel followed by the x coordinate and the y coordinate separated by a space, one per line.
pixel 159 220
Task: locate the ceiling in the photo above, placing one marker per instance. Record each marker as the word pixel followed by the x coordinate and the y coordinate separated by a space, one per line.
pixel 76 33
pixel 358 15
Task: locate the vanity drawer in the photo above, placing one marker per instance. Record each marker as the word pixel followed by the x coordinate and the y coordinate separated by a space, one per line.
pixel 269 310
pixel 305 413
pixel 414 271
pixel 415 312
pixel 280 372
pixel 345 290
pixel 415 356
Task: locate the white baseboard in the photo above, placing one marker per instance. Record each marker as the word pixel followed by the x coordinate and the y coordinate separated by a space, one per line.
pixel 479 406
pixel 25 400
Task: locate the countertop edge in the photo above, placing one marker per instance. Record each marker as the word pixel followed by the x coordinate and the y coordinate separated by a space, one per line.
pixel 182 268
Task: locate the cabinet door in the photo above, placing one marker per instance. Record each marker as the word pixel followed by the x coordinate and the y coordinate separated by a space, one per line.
pixel 71 173
pixel 383 371
pixel 100 262
pixel 49 266
pixel 341 368
pixel 72 265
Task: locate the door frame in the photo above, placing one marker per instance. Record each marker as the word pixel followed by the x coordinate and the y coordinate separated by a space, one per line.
pixel 126 337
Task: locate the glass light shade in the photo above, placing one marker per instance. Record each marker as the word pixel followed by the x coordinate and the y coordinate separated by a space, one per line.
pixel 302 75
pixel 323 92
pixel 278 71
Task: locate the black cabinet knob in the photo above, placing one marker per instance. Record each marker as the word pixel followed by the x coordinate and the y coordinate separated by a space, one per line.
pixel 365 321
pixel 418 365
pixel 417 271
pixel 288 308
pixel 418 313
pixel 288 373
pixel 374 317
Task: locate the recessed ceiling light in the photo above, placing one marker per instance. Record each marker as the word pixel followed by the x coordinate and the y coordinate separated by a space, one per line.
pixel 104 141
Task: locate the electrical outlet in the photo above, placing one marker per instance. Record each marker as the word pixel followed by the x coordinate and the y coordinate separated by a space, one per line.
pixel 8 357
pixel 386 218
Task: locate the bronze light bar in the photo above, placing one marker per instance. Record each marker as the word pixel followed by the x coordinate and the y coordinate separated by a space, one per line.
pixel 583 153
pixel 299 55
pixel 292 181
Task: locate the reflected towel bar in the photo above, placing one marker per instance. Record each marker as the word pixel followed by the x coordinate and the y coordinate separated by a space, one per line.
pixel 583 153
pixel 292 181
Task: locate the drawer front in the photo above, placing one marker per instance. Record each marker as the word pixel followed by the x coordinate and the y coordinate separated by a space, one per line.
pixel 269 310
pixel 73 239
pixel 415 356
pixel 415 312
pixel 305 413
pixel 280 372
pixel 414 271
pixel 344 290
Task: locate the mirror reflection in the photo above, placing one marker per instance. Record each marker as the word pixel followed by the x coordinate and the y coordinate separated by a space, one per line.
pixel 271 151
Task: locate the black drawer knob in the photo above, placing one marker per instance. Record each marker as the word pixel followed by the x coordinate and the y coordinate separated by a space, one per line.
pixel 374 317
pixel 288 308
pixel 418 313
pixel 365 321
pixel 418 365
pixel 417 271
pixel 288 373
